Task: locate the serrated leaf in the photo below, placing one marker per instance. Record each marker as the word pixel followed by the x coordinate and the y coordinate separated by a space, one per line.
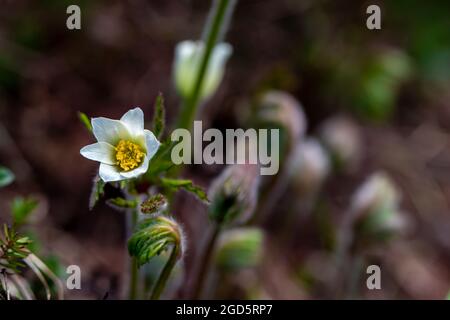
pixel 186 184
pixel 159 116
pixel 13 248
pixel 85 120
pixel 6 176
pixel 21 208
pixel 98 190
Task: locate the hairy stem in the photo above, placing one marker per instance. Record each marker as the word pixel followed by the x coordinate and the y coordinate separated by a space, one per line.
pixel 205 260
pixel 165 273
pixel 133 290
pixel 214 29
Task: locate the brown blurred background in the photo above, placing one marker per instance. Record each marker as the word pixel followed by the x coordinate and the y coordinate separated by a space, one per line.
pixel 392 84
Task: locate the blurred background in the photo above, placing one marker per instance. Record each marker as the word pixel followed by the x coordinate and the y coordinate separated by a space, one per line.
pixel 373 109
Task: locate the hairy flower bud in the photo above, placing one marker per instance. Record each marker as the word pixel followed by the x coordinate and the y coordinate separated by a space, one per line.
pixel 281 110
pixel 155 235
pixel 239 248
pixel 375 208
pixel 234 193
pixel 342 138
pixel 154 204
pixel 188 56
pixel 310 166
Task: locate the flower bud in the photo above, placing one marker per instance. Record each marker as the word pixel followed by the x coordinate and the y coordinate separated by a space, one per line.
pixel 239 248
pixel 375 208
pixel 310 166
pixel 234 193
pixel 281 110
pixel 155 235
pixel 154 204
pixel 188 57
pixel 342 138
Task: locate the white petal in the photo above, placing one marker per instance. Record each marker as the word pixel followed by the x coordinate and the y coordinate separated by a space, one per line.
pixel 216 68
pixel 187 58
pixel 109 173
pixel 138 171
pixel 109 130
pixel 100 151
pixel 152 144
pixel 134 120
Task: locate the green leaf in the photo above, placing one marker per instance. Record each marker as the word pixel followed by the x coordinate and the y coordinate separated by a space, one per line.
pixel 122 203
pixel 13 248
pixel 159 166
pixel 21 208
pixel 85 120
pixel 6 176
pixel 188 185
pixel 159 116
pixel 98 190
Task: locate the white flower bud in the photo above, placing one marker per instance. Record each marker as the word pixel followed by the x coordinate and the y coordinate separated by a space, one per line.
pixel 375 209
pixel 310 166
pixel 341 136
pixel 376 193
pixel 234 194
pixel 188 57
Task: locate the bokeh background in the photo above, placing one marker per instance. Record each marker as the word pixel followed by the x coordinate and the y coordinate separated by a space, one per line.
pixel 391 87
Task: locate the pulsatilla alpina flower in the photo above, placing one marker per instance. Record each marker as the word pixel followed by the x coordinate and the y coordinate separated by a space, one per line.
pixel 124 147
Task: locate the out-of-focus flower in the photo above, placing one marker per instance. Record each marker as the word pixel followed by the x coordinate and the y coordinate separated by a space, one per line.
pixel 124 147
pixel 239 248
pixel 341 136
pixel 281 110
pixel 310 166
pixel 376 208
pixel 234 194
pixel 188 56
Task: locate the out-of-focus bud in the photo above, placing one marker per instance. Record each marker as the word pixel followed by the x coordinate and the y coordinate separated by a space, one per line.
pixel 341 137
pixel 155 235
pixel 239 248
pixel 234 194
pixel 310 166
pixel 375 209
pixel 154 204
pixel 278 109
pixel 188 56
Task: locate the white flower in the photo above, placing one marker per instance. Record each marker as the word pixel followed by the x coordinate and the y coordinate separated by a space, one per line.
pixel 124 147
pixel 188 55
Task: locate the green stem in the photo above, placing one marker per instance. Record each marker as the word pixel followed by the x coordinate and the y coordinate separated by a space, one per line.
pixel 204 262
pixel 214 29
pixel 165 273
pixel 133 279
pixel 133 265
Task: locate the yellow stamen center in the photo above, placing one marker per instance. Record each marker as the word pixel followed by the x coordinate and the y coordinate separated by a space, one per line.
pixel 128 155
